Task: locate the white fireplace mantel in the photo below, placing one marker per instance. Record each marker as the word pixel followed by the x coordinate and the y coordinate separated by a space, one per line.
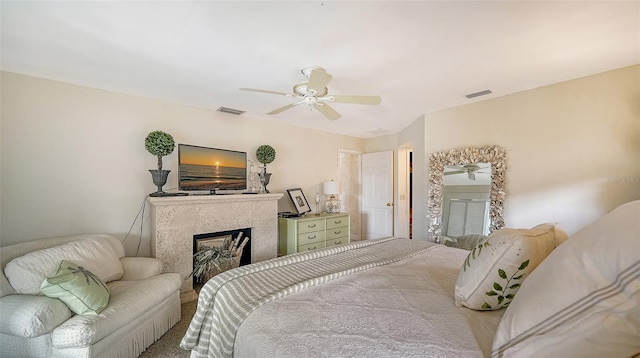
pixel 175 220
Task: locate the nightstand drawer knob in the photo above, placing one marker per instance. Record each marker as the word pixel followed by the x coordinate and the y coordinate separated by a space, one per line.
pixel 311 237
pixel 311 248
pixel 337 221
pixel 311 226
pixel 337 242
pixel 337 232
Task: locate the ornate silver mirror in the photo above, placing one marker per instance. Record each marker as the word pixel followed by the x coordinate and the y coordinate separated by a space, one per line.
pixel 475 168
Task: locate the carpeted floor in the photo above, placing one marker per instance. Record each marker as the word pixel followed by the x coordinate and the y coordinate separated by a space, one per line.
pixel 168 346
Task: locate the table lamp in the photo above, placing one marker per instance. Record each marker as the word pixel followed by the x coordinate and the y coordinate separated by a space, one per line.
pixel 332 188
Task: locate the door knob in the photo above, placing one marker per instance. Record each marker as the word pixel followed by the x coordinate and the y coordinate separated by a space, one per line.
pixel 388 204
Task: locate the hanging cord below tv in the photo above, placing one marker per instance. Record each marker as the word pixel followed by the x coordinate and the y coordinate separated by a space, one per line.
pixel 140 212
pixel 141 216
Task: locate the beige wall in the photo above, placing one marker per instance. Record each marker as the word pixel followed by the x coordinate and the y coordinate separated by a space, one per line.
pixel 73 158
pixel 573 148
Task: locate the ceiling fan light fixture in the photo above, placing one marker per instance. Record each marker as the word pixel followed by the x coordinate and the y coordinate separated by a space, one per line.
pixel 300 90
pixel 311 101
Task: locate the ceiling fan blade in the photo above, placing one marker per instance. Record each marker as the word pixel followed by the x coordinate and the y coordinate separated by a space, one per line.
pixel 282 109
pixel 265 91
pixel 318 80
pixel 456 172
pixel 328 111
pixel 346 98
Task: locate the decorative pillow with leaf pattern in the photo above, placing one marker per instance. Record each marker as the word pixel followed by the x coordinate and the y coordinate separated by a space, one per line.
pixel 81 290
pixel 495 269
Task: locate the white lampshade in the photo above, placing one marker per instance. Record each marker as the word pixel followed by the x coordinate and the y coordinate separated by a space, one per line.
pixel 331 187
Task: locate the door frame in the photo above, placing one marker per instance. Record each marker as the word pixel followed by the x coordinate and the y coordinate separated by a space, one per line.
pixel 403 229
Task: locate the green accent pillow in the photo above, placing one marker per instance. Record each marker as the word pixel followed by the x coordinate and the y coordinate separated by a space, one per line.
pixel 82 291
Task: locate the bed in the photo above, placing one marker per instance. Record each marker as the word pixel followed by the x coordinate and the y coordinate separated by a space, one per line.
pixel 396 297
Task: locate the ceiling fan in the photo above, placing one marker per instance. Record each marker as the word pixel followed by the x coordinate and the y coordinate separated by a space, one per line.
pixel 470 169
pixel 315 94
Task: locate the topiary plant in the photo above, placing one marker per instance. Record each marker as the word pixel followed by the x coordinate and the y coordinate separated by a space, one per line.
pixel 265 154
pixel 160 144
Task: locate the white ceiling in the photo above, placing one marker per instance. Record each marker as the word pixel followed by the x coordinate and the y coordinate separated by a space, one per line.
pixel 419 56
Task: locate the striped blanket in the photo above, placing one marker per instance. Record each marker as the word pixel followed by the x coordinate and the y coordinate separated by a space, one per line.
pixel 228 298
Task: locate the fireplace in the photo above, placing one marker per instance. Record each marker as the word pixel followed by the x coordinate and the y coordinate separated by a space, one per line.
pixel 218 238
pixel 176 220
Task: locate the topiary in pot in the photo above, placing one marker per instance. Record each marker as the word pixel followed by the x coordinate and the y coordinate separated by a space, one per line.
pixel 265 155
pixel 159 144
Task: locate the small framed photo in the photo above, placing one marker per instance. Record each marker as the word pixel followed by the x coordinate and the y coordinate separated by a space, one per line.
pixel 299 200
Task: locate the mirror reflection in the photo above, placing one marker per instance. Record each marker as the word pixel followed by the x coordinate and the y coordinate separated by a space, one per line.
pixel 465 201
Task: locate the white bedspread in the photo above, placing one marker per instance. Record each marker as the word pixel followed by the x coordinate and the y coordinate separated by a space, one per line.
pixel 403 309
pixel 382 298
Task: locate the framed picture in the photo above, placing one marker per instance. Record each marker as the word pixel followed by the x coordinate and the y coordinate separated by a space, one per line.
pixel 299 200
pixel 212 241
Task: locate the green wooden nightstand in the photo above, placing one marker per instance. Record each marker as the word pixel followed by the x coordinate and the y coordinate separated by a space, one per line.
pixel 312 232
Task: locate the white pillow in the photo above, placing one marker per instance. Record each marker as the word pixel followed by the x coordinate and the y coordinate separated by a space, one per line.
pixel 584 299
pixel 495 269
pixel 97 254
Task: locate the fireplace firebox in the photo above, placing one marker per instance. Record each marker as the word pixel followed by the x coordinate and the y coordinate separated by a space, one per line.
pixel 218 238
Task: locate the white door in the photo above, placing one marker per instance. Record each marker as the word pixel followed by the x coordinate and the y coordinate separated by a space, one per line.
pixel 377 195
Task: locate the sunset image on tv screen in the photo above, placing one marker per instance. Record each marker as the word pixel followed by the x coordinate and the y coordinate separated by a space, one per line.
pixel 203 168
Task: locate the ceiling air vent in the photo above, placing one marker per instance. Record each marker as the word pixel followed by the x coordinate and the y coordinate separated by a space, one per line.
pixel 230 110
pixel 478 94
pixel 378 131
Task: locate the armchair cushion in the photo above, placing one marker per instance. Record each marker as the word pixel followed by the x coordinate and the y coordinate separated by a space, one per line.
pixel 139 268
pixel 128 300
pixel 31 316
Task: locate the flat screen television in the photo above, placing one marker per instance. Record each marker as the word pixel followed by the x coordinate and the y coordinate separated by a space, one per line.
pixel 212 169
